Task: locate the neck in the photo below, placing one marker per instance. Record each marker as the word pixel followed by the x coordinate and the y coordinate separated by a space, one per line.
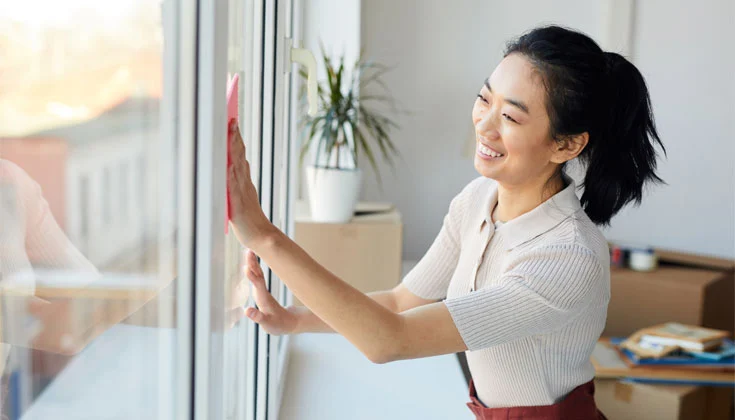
pixel 516 200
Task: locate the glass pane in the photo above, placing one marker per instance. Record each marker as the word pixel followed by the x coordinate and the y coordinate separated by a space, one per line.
pixel 238 347
pixel 282 178
pixel 87 234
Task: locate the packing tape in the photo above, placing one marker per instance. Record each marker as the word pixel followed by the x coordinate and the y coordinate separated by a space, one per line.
pixel 623 391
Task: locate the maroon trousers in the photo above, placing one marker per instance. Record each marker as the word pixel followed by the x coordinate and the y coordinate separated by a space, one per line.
pixel 578 405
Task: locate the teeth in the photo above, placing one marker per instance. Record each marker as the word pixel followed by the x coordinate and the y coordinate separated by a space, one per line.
pixel 489 152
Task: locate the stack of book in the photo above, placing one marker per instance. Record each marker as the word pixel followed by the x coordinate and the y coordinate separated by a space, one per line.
pixel 664 339
pixel 669 353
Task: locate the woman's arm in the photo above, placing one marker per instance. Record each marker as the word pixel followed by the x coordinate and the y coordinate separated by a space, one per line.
pixel 65 312
pixel 396 300
pixel 379 333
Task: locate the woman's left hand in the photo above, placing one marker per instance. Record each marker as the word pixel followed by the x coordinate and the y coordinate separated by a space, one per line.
pixel 250 224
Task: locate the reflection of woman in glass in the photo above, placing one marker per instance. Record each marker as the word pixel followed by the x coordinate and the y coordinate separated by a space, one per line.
pixel 520 264
pixel 30 239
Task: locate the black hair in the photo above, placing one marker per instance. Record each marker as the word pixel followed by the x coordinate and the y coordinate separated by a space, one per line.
pixel 603 94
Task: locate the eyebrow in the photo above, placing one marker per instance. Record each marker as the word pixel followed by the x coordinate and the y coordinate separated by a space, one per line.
pixel 518 104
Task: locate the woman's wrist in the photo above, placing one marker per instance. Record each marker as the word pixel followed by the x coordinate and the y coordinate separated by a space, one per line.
pixel 297 313
pixel 266 240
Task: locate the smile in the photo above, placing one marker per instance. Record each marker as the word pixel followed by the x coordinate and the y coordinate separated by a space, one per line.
pixel 488 152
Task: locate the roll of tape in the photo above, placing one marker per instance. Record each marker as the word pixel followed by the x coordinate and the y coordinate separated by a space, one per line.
pixel 643 260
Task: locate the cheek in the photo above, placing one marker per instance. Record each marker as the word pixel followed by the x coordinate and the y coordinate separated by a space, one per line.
pixel 476 114
pixel 525 146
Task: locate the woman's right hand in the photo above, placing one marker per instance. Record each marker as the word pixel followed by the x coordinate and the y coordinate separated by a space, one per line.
pixel 274 318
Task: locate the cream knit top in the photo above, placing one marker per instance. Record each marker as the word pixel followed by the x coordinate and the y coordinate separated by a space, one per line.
pixel 529 296
pixel 30 239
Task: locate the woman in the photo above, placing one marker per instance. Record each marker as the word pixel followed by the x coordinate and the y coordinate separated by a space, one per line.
pixel 518 276
pixel 31 239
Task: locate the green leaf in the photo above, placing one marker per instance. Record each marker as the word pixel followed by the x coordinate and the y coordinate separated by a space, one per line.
pixel 375 77
pixel 338 84
pixel 361 138
pixel 343 119
pixel 309 139
pixel 350 139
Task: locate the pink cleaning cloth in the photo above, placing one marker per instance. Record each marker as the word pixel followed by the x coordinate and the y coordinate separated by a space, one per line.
pixel 232 88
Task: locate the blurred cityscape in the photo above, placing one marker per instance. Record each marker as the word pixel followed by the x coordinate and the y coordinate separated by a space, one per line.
pixel 80 90
pixel 80 95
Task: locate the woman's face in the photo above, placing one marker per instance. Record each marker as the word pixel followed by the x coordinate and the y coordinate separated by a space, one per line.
pixel 510 119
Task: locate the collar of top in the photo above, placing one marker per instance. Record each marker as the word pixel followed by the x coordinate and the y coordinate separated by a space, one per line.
pixel 533 223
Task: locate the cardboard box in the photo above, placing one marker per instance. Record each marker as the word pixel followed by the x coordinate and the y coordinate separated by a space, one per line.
pixel 685 288
pixel 620 400
pixel 366 252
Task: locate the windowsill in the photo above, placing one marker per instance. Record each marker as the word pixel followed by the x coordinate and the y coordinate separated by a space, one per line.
pixel 328 378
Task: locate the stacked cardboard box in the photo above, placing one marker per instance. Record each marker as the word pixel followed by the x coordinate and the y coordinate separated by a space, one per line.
pixel 686 288
pixel 366 252
pixel 620 400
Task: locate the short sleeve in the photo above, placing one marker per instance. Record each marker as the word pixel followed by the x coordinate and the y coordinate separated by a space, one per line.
pixel 430 278
pixel 46 245
pixel 544 291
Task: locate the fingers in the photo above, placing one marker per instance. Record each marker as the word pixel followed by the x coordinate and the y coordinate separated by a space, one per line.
pixel 234 178
pixel 255 274
pixel 252 262
pixel 41 308
pixel 237 150
pixel 261 294
pixel 239 293
pixel 37 306
pixel 238 173
pixel 237 145
pixel 255 315
pixel 234 316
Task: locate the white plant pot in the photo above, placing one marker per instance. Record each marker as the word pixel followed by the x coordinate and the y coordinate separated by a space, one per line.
pixel 333 193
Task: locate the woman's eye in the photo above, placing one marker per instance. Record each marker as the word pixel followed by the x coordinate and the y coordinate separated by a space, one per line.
pixel 482 98
pixel 509 118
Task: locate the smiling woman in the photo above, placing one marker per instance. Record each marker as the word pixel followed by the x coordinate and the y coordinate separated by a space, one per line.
pixel 518 276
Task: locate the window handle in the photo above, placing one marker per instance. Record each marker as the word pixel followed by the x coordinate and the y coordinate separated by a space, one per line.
pixel 305 58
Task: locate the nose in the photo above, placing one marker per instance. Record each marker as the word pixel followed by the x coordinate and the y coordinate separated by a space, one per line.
pixel 487 125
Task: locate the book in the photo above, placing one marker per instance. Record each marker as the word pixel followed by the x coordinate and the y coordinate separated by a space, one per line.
pixel 726 350
pixel 609 364
pixel 678 359
pixel 645 349
pixel 653 340
pixel 689 337
pixel 677 382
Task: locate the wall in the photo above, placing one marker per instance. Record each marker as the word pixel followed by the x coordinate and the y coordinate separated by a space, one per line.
pixel 336 25
pixel 442 54
pixel 687 57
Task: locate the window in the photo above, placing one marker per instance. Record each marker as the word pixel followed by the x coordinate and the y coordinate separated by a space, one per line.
pixel 106 197
pixel 124 194
pixel 83 209
pixel 133 92
pixel 90 76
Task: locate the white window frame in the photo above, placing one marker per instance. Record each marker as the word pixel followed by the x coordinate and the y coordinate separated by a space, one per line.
pixel 269 113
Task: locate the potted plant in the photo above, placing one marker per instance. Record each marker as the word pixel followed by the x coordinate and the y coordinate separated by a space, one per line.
pixel 345 125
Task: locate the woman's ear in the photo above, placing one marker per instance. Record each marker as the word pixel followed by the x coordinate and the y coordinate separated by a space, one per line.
pixel 569 148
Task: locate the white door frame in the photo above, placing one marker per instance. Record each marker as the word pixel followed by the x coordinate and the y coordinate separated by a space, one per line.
pixel 211 137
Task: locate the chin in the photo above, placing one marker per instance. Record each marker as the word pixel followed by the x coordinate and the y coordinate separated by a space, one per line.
pixel 484 170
